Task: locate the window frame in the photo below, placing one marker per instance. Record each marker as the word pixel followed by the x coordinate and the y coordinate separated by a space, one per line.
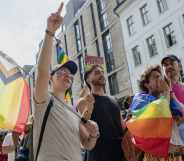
pixel 162 6
pixel 113 84
pixel 170 37
pixel 108 51
pixel 78 38
pixel 152 46
pixel 145 14
pixel 136 52
pixel 131 25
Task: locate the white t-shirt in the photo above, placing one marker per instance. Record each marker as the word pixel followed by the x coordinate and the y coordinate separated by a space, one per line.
pixel 8 141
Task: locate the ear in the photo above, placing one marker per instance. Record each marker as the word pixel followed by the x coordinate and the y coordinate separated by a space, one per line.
pixel 50 79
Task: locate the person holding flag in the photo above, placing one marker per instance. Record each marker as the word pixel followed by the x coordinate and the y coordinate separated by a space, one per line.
pixel 153 124
pixel 64 128
pixel 173 71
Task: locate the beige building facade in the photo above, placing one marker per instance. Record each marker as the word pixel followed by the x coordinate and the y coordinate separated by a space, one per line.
pixel 92 29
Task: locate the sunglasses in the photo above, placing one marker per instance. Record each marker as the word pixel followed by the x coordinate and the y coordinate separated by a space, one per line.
pixel 63 72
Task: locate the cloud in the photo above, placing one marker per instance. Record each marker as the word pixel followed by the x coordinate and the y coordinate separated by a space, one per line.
pixel 22 27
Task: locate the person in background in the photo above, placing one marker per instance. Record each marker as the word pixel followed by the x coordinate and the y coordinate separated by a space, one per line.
pixel 106 112
pixel 3 156
pixel 154 87
pixel 9 145
pixel 131 152
pixel 173 71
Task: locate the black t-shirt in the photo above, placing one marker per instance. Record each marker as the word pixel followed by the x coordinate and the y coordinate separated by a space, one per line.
pixel 106 113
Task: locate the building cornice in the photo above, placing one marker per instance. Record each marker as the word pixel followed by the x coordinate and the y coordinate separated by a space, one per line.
pixel 121 6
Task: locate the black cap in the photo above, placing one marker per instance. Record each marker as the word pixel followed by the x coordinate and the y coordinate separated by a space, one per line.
pixel 171 57
pixel 71 65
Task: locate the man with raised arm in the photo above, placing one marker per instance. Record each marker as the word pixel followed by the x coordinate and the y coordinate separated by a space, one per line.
pixel 64 130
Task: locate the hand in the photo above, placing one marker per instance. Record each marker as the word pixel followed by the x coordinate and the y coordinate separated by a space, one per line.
pixel 92 129
pixel 29 123
pixel 89 99
pixel 85 91
pixel 165 89
pixel 88 104
pixel 54 20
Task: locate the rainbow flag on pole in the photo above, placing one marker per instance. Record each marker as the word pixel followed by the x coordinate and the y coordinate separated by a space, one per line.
pixel 61 59
pixel 14 96
pixel 151 124
pixel 61 56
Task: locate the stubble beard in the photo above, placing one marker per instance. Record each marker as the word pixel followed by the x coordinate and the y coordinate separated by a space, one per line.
pixel 98 84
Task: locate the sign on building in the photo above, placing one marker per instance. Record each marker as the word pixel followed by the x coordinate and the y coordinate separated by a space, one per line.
pixel 93 60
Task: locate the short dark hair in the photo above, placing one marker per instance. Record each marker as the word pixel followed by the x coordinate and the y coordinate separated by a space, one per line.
pixel 146 75
pixel 88 72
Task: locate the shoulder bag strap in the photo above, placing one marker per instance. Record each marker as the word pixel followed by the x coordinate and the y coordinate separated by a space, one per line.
pixel 43 127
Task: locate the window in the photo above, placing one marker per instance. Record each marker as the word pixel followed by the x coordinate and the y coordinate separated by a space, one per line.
pixel 169 35
pixel 109 57
pixel 136 56
pixel 97 47
pixel 162 6
pixel 145 14
pixel 102 14
pixel 113 84
pixel 103 21
pixel 77 36
pixel 101 4
pixel 66 47
pixel 86 51
pixel 151 43
pixel 93 19
pixel 83 33
pixel 130 25
pixel 119 1
pixel 81 68
pixel 63 28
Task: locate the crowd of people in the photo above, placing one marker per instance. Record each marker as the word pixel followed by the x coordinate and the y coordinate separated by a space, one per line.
pixel 95 127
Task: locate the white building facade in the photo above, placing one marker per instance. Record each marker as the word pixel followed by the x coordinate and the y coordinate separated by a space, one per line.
pixel 152 29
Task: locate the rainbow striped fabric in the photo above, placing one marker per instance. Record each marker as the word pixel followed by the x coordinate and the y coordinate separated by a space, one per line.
pixel 61 59
pixel 151 124
pixel 14 96
pixel 61 56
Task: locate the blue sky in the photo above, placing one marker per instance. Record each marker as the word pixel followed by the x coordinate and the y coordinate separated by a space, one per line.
pixel 22 26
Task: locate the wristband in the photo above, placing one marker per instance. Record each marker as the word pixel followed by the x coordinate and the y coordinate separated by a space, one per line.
pixel 50 33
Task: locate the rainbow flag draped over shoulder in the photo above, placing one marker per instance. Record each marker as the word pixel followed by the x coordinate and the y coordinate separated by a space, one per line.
pixel 151 124
pixel 14 96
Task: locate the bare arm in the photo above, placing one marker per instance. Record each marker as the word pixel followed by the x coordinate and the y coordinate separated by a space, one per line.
pixel 42 79
pixel 89 134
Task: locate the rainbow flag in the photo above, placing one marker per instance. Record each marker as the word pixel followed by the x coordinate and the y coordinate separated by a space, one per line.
pixel 61 56
pixel 61 59
pixel 151 124
pixel 14 96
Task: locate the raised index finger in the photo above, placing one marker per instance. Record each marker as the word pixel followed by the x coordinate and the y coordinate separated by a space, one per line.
pixel 60 8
